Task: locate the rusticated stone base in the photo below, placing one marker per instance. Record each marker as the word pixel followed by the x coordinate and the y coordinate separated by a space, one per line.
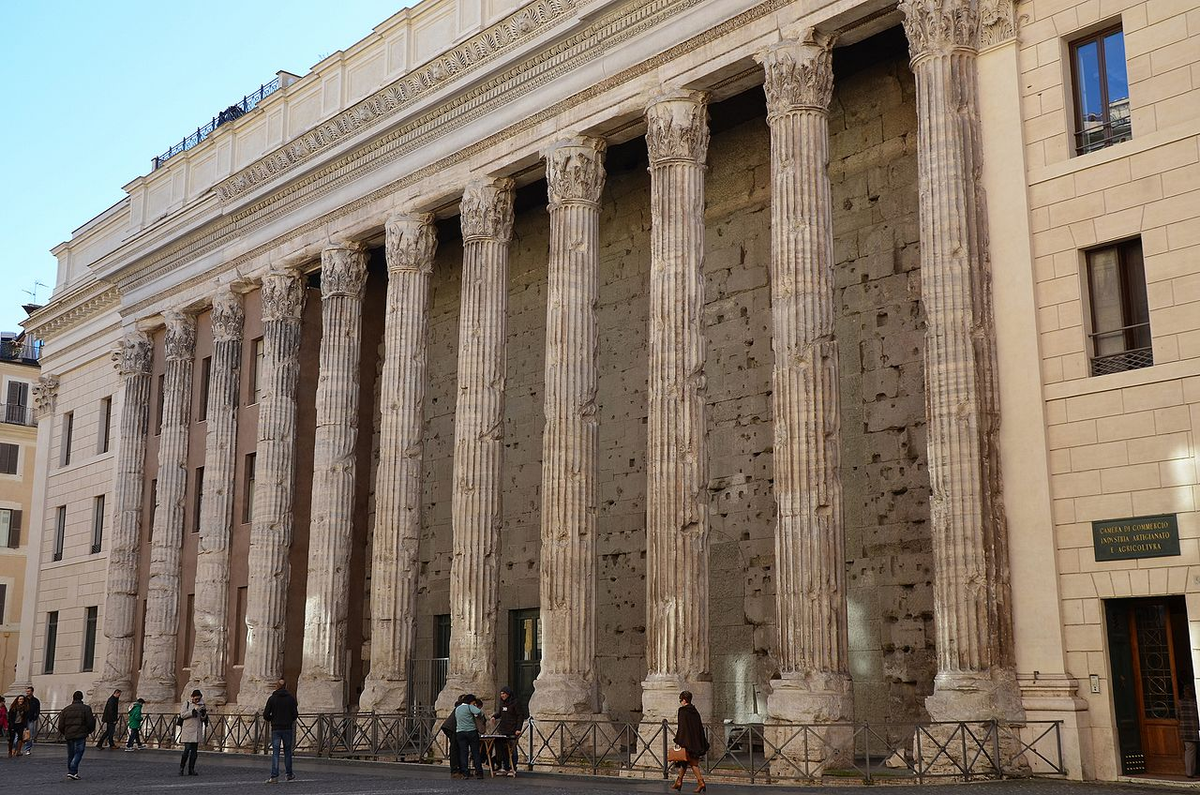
pixel 384 695
pixel 964 702
pixel 563 697
pixel 819 700
pixel 660 698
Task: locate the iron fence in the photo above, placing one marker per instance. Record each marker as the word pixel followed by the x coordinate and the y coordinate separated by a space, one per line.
pixel 757 753
pixel 16 414
pixel 234 111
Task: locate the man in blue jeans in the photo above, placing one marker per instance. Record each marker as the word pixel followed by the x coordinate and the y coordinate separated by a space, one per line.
pixel 76 722
pixel 467 735
pixel 281 712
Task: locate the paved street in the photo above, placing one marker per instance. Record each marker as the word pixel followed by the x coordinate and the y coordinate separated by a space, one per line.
pixel 105 772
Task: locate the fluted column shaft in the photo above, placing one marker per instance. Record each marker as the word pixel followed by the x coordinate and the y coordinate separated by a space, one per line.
pixel 410 245
pixel 133 361
pixel 810 595
pixel 972 601
pixel 210 649
pixel 156 682
pixel 487 220
pixel 565 685
pixel 283 295
pixel 326 607
pixel 677 647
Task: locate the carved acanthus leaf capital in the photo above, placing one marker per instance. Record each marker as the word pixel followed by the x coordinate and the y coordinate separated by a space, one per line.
pixel 180 342
pixel 227 315
pixel 677 127
pixel 344 270
pixel 487 210
pixel 283 294
pixel 937 27
pixel 133 354
pixel 575 170
pixel 45 394
pixel 411 243
pixel 798 75
pixel 997 21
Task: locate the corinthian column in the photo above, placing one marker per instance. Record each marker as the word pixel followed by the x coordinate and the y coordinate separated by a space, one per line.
pixel 283 294
pixel 810 593
pixel 156 682
pixel 677 649
pixel 322 686
pixel 132 359
pixel 410 245
pixel 209 656
pixel 566 685
pixel 487 222
pixel 976 677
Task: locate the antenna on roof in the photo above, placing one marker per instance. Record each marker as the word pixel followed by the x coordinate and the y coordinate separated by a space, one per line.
pixel 33 292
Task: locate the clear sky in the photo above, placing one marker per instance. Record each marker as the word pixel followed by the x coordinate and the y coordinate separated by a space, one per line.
pixel 96 88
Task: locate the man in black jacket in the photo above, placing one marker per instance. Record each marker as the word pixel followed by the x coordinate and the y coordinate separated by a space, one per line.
pixel 281 712
pixel 32 715
pixel 509 720
pixel 76 722
pixel 112 711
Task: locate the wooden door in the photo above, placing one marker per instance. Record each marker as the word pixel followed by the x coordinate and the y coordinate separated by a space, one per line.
pixel 526 653
pixel 1155 682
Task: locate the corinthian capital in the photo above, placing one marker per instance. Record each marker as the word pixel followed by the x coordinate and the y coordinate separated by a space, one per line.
pixel 937 27
pixel 283 295
pixel 180 344
pixel 799 75
pixel 575 170
pixel 227 315
pixel 677 127
pixel 45 394
pixel 133 354
pixel 411 242
pixel 344 270
pixel 487 210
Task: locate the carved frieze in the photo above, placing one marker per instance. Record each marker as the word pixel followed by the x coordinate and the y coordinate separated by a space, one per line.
pixel 344 270
pixel 575 170
pixel 487 210
pixel 180 342
pixel 411 242
pixel 227 315
pixel 283 293
pixel 45 394
pixel 133 354
pixel 939 26
pixel 677 127
pixel 798 75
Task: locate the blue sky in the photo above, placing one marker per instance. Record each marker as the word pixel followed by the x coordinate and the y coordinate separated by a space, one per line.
pixel 96 89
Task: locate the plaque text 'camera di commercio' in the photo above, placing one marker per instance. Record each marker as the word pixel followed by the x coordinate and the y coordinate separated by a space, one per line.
pixel 1137 537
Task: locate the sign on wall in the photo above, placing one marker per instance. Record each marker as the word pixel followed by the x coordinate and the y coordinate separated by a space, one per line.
pixel 1138 537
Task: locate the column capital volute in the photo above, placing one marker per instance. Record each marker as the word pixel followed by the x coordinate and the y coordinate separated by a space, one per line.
pixel 45 394
pixel 939 27
pixel 283 293
pixel 410 242
pixel 134 354
pixel 575 170
pixel 343 269
pixel 228 315
pixel 180 342
pixel 487 210
pixel 677 127
pixel 798 74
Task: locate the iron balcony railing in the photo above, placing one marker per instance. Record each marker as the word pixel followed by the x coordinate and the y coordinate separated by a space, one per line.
pixel 758 753
pixel 16 414
pixel 1097 132
pixel 1138 352
pixel 235 111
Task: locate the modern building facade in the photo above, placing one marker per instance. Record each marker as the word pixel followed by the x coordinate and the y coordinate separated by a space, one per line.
pixel 832 360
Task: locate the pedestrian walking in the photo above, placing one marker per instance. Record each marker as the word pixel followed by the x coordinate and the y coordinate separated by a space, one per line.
pixel 1189 729
pixel 112 711
pixel 76 722
pixel 16 725
pixel 281 712
pixel 510 717
pixel 449 729
pixel 3 718
pixel 689 736
pixel 33 716
pixel 193 717
pixel 134 721
pixel 467 729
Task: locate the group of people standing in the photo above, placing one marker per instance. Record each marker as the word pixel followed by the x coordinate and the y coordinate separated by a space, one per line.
pixel 19 722
pixel 466 732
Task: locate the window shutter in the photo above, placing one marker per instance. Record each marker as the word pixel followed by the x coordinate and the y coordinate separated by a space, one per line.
pixel 14 530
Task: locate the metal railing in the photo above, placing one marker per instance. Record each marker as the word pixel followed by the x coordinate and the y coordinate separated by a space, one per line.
pixel 20 350
pixel 426 679
pixel 235 111
pixel 1098 132
pixel 1138 351
pixel 758 753
pixel 16 414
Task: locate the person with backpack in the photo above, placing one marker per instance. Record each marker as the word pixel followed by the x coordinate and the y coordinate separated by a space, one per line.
pixel 467 732
pixel 76 722
pixel 135 725
pixel 281 712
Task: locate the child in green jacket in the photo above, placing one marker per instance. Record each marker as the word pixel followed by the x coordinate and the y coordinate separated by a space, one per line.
pixel 135 725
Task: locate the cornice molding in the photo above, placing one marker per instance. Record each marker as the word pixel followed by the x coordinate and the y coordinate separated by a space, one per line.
pixel 74 308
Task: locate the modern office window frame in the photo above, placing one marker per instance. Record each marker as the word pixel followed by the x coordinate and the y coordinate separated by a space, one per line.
pixel 1098 66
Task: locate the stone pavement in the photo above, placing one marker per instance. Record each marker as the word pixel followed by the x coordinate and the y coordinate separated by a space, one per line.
pixel 105 772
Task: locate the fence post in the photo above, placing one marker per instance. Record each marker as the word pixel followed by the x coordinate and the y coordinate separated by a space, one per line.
pixel 996 749
pixel 666 765
pixel 866 751
pixel 529 759
pixel 1062 766
pixel 920 759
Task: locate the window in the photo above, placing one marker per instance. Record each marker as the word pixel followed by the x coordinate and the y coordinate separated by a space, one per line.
pixel 162 396
pixel 239 628
pixel 16 404
pixel 3 600
pixel 89 639
pixel 205 378
pixel 10 455
pixel 51 642
pixel 189 631
pixel 153 509
pixel 256 363
pixel 1120 318
pixel 60 531
pixel 1101 91
pixel 199 499
pixel 248 492
pixel 98 524
pixel 10 528
pixel 141 655
pixel 441 635
pixel 67 431
pixel 105 431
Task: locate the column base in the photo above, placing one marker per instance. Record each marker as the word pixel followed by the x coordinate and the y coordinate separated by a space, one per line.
pixel 563 697
pixel 321 695
pixel 155 694
pixel 660 698
pixel 215 693
pixel 477 683
pixel 253 695
pixel 384 695
pixel 823 704
pixel 976 696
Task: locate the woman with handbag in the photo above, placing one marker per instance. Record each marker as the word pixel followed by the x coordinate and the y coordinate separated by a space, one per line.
pixel 16 726
pixel 690 742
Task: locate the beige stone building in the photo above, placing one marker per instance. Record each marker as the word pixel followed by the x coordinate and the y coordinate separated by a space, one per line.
pixel 836 360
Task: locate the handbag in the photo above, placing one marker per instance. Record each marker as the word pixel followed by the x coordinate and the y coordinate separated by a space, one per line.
pixel 677 754
pixel 480 724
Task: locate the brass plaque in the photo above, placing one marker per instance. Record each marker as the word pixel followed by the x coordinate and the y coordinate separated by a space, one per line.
pixel 1138 537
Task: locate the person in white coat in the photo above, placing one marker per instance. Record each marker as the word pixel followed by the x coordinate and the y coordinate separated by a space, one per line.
pixel 193 718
